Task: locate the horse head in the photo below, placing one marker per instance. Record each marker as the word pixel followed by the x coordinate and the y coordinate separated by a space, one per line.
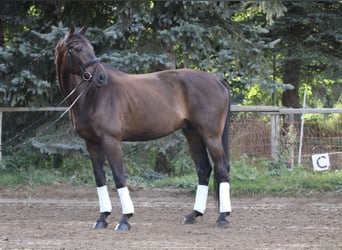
pixel 75 55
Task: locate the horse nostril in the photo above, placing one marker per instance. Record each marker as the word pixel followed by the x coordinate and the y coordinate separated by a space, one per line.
pixel 102 78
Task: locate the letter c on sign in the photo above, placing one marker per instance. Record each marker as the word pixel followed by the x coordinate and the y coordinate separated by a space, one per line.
pixel 322 161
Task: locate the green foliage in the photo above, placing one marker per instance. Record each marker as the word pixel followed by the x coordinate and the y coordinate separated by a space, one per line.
pixel 288 182
pixel 165 156
pixel 245 42
pixel 133 36
pixel 286 144
pixel 28 166
pixel 242 171
pixel 23 160
pixel 187 182
pixel 269 8
pixel 247 177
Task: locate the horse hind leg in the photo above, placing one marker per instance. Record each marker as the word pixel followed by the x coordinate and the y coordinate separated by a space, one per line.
pixel 203 168
pixel 222 185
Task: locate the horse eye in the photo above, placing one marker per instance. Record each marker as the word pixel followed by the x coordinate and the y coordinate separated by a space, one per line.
pixel 78 49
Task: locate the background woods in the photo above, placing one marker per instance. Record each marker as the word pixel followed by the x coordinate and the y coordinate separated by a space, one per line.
pixel 269 52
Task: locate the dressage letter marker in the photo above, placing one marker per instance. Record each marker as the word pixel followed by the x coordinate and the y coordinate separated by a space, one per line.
pixel 126 202
pixel 225 205
pixel 320 162
pixel 201 198
pixel 104 200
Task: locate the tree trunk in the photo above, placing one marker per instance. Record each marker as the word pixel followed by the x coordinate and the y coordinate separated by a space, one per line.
pixel 292 75
pixel 291 72
pixel 290 97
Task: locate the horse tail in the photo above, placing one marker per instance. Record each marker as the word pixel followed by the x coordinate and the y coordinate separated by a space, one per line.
pixel 225 142
pixel 225 134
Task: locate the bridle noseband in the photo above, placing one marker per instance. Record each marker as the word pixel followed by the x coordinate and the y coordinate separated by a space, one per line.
pixel 86 75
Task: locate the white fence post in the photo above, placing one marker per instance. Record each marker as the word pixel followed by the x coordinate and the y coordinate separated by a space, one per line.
pixel 291 141
pixel 275 130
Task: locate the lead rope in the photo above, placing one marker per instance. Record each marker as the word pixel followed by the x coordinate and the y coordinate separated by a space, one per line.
pixel 52 123
pixel 67 110
pixel 66 98
pixel 85 77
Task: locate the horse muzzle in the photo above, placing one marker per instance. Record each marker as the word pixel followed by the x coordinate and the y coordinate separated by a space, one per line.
pixel 100 79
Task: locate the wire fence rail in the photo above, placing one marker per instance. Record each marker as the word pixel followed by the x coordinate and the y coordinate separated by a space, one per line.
pixel 268 132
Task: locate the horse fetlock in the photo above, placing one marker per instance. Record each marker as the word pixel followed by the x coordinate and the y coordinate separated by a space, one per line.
pixel 101 222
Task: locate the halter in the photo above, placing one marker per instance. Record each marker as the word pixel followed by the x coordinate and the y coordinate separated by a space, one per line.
pixel 86 75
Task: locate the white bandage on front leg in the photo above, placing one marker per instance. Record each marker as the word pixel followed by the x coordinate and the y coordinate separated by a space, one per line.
pixel 104 200
pixel 126 201
pixel 225 205
pixel 201 198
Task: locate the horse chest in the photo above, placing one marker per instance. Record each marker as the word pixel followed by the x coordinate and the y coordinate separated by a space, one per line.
pixel 85 127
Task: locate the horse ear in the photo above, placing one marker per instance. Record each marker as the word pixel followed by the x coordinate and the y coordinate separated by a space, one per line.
pixel 83 30
pixel 72 29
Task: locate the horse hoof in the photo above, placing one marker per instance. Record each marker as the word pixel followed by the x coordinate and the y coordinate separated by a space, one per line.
pixel 222 223
pixel 100 225
pixel 189 219
pixel 123 226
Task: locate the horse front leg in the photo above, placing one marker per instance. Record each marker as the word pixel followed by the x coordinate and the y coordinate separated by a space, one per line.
pixel 113 151
pixel 97 158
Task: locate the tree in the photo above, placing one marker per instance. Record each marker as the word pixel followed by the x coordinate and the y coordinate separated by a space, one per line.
pixel 251 44
pixel 133 36
pixel 310 51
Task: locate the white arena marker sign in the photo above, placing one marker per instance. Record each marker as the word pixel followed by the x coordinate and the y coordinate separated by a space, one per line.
pixel 320 162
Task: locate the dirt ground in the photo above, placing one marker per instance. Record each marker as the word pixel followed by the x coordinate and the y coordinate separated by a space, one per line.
pixel 61 217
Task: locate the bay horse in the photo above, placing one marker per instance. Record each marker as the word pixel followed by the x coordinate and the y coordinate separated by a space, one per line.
pixel 108 106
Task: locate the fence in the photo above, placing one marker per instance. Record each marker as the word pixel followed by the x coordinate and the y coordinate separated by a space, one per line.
pixel 274 133
pixel 267 132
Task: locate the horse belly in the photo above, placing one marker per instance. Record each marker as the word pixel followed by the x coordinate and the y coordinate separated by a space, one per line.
pixel 153 126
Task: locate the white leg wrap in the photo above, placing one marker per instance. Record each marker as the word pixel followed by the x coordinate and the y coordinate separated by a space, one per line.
pixel 104 200
pixel 201 198
pixel 225 205
pixel 126 201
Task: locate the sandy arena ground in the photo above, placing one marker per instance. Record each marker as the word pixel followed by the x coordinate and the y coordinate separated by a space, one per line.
pixel 61 217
